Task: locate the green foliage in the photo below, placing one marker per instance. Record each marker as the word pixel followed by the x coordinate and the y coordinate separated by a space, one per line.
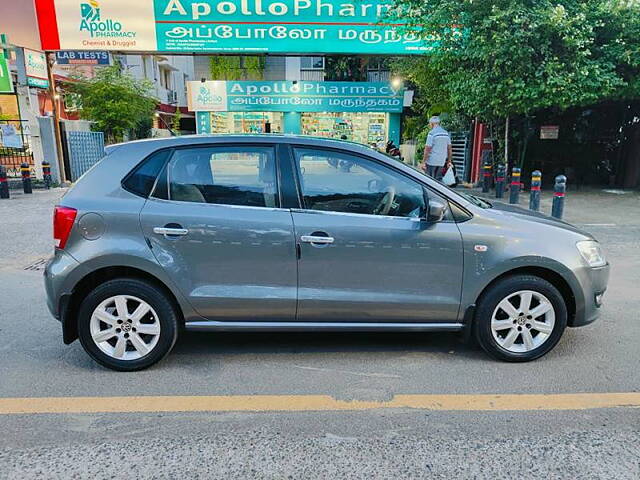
pixel 225 67
pixel 116 102
pixel 175 123
pixel 509 57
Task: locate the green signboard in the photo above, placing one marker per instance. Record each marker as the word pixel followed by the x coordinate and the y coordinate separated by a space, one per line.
pixel 6 84
pixel 322 26
pixel 289 96
pixel 230 26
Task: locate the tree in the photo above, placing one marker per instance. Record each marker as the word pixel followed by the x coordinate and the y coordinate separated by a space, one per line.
pixel 115 101
pixel 505 57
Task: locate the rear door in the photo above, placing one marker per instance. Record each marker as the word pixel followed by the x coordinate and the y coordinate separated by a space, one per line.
pixel 365 253
pixel 215 224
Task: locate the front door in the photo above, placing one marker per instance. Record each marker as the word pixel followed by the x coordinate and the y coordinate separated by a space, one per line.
pixel 365 255
pixel 214 223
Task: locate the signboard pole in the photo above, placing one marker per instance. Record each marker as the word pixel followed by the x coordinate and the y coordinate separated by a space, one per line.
pixel 51 59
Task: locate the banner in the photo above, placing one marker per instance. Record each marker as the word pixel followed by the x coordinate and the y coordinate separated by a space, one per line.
pixel 6 83
pixel 288 96
pixel 35 64
pixel 226 26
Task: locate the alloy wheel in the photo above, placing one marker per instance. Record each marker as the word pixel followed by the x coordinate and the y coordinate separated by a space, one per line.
pixel 523 321
pixel 125 327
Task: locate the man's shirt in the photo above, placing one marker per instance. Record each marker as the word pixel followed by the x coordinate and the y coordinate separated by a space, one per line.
pixel 439 141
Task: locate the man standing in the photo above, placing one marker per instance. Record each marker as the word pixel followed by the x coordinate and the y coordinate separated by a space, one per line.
pixel 438 149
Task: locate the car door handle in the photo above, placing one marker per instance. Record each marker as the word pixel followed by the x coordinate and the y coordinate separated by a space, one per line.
pixel 170 231
pixel 316 239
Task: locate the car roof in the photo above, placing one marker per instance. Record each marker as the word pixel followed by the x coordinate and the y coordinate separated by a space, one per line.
pixel 184 140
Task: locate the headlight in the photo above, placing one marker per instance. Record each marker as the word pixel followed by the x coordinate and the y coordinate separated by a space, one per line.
pixel 592 253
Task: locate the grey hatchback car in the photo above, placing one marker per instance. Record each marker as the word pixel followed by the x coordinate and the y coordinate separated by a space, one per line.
pixel 289 233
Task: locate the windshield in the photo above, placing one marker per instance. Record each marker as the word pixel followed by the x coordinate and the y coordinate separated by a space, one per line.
pixel 480 202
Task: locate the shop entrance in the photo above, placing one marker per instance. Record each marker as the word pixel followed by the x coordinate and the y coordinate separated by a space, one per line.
pixel 369 128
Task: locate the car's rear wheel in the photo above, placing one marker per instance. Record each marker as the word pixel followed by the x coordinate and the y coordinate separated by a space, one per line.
pixel 520 318
pixel 127 324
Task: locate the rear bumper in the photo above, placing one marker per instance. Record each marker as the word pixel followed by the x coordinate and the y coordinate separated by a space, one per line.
pixel 593 285
pixel 61 274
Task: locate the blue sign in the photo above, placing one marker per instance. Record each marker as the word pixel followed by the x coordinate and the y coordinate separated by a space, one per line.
pixel 72 57
pixel 289 96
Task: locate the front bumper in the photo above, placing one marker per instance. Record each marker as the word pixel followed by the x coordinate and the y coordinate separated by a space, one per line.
pixel 592 284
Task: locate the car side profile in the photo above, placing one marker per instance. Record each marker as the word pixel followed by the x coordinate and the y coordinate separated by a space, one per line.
pixel 289 233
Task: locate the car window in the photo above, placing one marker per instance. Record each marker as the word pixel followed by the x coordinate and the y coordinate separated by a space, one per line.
pixel 223 175
pixel 140 181
pixel 340 182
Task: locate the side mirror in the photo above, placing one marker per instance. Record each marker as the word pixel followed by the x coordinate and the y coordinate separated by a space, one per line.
pixel 436 211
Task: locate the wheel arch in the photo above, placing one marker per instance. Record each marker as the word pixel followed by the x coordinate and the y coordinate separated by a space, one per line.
pixel 553 277
pixel 71 303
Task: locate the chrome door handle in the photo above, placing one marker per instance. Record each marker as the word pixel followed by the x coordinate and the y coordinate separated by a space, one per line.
pixel 316 239
pixel 170 231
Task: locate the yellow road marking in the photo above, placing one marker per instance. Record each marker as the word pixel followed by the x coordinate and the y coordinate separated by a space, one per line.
pixel 307 403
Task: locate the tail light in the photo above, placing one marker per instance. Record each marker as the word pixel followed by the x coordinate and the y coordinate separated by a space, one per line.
pixel 63 218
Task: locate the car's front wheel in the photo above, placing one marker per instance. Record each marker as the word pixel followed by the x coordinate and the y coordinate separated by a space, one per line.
pixel 127 324
pixel 520 318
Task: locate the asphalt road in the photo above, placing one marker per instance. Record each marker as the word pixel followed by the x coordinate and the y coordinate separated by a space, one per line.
pixel 501 442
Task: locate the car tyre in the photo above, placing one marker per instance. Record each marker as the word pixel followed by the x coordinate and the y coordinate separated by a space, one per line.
pixel 500 328
pixel 155 335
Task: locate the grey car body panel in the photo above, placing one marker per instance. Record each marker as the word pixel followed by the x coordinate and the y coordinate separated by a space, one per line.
pixel 234 263
pixel 378 269
pixel 513 239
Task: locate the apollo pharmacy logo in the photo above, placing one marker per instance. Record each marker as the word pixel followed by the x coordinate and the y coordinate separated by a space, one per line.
pixel 206 98
pixel 92 23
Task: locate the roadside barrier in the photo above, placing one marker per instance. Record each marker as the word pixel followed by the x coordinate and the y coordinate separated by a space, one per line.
pixel 560 188
pixel 514 189
pixel 534 197
pixel 4 185
pixel 487 173
pixel 26 178
pixel 500 174
pixel 46 174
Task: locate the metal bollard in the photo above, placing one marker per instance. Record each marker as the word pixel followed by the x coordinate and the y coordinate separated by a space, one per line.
pixel 501 171
pixel 560 189
pixel 486 175
pixel 534 197
pixel 514 189
pixel 26 178
pixel 46 174
pixel 4 185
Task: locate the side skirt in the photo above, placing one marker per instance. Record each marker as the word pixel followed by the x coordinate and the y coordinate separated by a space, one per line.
pixel 210 325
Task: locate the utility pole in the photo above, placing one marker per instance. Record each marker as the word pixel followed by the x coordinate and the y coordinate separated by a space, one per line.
pixel 51 60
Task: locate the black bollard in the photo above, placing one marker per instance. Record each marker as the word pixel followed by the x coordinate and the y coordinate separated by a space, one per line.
pixel 46 174
pixel 4 185
pixel 26 178
pixel 500 173
pixel 486 172
pixel 514 189
pixel 560 189
pixel 534 198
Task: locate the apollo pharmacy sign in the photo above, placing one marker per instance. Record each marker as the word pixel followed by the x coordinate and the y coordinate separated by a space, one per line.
pixel 287 96
pixel 225 26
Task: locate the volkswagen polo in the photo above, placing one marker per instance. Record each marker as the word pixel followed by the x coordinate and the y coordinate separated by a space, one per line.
pixel 288 233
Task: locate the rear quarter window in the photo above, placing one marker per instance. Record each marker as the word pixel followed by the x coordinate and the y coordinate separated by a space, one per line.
pixel 141 179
